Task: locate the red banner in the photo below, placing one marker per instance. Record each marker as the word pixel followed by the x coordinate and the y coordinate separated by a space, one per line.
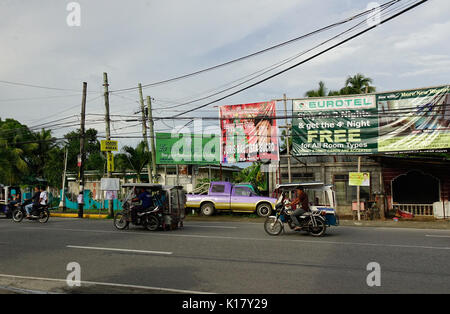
pixel 249 132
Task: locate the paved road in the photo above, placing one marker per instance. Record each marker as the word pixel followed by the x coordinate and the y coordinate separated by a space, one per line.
pixel 220 257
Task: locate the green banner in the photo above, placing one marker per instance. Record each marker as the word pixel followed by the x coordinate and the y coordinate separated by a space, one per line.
pixel 187 149
pixel 402 121
pixel 339 125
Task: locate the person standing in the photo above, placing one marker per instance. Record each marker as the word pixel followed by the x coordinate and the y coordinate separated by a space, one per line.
pixel 80 201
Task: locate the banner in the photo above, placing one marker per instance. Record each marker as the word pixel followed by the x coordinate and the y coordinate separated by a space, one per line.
pixel 359 178
pixel 414 120
pixel 403 121
pixel 338 125
pixel 249 132
pixel 184 149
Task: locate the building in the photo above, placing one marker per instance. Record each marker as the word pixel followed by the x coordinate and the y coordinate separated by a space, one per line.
pixel 420 186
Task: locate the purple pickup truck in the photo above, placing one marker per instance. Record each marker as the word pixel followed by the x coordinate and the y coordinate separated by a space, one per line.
pixel 230 197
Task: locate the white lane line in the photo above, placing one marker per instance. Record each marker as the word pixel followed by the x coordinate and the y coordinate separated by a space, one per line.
pixel 152 234
pixel 106 284
pixel 117 250
pixel 437 236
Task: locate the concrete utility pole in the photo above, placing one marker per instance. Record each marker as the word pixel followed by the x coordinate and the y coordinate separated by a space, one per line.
pixel 82 149
pixel 144 131
pixel 62 202
pixel 108 134
pixel 287 138
pixel 358 189
pixel 152 138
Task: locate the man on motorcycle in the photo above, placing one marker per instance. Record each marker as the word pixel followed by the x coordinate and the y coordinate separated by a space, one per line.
pixel 146 202
pixel 35 201
pixel 301 198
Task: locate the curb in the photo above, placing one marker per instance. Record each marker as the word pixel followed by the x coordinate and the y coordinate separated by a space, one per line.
pixel 92 216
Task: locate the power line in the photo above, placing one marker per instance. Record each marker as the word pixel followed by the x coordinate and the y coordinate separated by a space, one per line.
pixel 258 52
pixel 306 60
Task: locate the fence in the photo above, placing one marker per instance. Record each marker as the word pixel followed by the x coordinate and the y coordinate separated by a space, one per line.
pixel 415 209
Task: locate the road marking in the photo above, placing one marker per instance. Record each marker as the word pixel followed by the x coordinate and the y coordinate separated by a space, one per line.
pixel 117 250
pixel 437 236
pixel 316 242
pixel 106 284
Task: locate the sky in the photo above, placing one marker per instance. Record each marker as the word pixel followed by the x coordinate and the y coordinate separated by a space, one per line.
pixel 146 41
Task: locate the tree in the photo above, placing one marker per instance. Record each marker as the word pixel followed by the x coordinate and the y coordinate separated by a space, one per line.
pixel 321 91
pixel 133 158
pixel 357 84
pixel 15 148
pixel 252 175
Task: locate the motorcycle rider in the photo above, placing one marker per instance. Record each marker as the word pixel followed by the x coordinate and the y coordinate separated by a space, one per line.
pixel 146 202
pixel 35 201
pixel 301 198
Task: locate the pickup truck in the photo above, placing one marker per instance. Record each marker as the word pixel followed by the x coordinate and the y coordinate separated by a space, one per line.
pixel 230 197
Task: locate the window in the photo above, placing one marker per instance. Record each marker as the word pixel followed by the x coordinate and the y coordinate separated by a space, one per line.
pixel 218 188
pixel 241 191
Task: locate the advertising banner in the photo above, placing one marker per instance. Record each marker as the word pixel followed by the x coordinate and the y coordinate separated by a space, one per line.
pixel 359 178
pixel 185 149
pixel 338 125
pixel 249 132
pixel 404 121
pixel 414 120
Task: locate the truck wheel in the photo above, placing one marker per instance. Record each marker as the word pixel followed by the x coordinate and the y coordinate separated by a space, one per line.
pixel 264 210
pixel 207 209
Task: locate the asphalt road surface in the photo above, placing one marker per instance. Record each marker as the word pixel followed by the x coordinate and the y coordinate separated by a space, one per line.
pixel 219 257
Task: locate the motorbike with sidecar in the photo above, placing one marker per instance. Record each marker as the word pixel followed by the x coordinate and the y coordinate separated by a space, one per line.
pixel 167 212
pixel 314 222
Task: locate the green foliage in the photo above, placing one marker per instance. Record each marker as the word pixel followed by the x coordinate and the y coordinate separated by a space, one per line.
pixel 252 175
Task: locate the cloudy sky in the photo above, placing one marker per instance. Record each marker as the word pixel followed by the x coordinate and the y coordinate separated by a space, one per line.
pixel 147 41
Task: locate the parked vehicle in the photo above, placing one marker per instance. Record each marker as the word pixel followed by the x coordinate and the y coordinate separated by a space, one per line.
pixel 230 197
pixel 41 213
pixel 314 222
pixel 167 212
pixel 8 199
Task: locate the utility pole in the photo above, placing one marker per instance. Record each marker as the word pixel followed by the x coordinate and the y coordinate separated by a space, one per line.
pixel 358 189
pixel 144 131
pixel 152 137
pixel 62 202
pixel 108 134
pixel 82 150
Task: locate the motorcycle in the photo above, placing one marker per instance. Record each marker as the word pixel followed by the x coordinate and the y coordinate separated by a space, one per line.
pixel 312 222
pixel 41 213
pixel 149 219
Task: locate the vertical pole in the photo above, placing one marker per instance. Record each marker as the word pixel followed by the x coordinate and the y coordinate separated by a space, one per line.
pixel 152 137
pixel 358 190
pixel 288 149
pixel 62 202
pixel 144 132
pixel 82 149
pixel 108 134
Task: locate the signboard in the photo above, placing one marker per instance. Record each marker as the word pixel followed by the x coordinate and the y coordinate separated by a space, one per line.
pixel 249 132
pixel 359 178
pixel 404 121
pixel 414 120
pixel 347 124
pixel 110 162
pixel 187 148
pixel 109 146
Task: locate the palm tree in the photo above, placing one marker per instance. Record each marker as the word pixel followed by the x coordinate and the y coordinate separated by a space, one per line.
pixel 137 158
pixel 358 84
pixel 45 143
pixel 321 91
